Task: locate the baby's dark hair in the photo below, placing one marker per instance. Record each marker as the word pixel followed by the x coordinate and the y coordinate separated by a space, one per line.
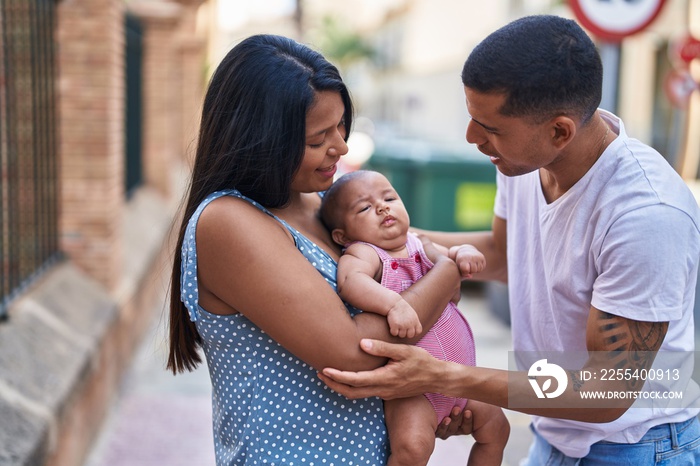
pixel 330 216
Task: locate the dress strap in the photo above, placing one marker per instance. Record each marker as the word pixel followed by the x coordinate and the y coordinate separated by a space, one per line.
pixel 415 248
pixel 383 255
pixel 413 244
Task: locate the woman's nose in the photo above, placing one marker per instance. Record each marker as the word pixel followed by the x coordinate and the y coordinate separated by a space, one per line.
pixel 339 147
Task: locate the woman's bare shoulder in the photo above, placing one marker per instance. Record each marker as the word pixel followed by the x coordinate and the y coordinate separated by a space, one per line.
pixel 230 217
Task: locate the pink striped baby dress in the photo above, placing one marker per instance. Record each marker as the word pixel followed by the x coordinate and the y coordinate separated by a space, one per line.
pixel 450 339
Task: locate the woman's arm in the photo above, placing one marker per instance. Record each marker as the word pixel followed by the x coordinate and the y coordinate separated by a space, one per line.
pixel 248 263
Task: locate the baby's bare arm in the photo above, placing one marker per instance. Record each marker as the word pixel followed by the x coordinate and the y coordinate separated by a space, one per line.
pixel 359 270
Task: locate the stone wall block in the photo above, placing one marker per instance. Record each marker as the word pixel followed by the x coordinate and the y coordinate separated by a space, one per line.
pixel 24 436
pixel 48 351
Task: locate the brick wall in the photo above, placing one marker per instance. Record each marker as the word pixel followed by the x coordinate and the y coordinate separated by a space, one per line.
pixel 71 335
pixel 91 114
pixel 91 88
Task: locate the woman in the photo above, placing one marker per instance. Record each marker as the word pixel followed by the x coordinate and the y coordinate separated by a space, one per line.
pixel 253 290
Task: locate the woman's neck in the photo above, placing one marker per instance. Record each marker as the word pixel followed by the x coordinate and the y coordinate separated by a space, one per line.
pixel 302 214
pixel 301 209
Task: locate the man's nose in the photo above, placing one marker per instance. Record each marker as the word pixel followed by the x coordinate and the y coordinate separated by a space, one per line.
pixel 473 133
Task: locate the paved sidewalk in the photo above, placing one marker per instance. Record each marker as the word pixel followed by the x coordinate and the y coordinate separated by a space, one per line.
pixel 165 420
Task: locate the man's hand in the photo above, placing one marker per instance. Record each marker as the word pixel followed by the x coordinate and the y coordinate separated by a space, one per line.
pixel 407 373
pixel 403 320
pixel 410 371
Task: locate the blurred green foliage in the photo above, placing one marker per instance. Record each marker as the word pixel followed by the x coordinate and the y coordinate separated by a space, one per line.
pixel 340 44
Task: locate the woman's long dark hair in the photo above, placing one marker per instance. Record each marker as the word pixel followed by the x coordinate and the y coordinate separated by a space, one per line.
pixel 251 138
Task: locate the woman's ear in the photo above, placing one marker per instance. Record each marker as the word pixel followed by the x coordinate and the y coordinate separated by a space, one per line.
pixel 563 131
pixel 339 237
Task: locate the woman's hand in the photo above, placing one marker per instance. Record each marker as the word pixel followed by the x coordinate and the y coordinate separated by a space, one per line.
pixel 459 422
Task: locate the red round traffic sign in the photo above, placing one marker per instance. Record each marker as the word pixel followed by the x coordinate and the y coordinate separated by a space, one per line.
pixel 689 48
pixel 683 50
pixel 613 20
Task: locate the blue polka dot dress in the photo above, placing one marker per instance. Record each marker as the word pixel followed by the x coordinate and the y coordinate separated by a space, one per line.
pixel 269 407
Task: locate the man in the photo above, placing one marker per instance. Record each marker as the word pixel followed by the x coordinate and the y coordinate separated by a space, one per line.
pixel 599 241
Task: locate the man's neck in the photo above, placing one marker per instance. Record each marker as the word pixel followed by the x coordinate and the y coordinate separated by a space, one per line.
pixel 590 143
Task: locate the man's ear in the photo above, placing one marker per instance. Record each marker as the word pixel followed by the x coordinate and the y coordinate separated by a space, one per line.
pixel 563 131
pixel 339 237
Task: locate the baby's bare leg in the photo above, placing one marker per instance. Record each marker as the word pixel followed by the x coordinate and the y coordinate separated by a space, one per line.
pixel 411 423
pixel 491 431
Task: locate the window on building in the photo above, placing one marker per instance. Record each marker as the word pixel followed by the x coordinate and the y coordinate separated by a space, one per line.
pixel 133 115
pixel 28 146
pixel 668 119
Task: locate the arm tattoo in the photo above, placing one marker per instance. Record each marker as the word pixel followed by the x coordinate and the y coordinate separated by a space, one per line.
pixel 620 334
pixel 629 343
pixel 576 382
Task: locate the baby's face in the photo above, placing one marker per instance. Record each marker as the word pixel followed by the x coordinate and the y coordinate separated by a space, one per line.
pixel 373 212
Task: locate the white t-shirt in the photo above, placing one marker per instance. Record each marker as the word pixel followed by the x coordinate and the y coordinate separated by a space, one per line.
pixel 624 239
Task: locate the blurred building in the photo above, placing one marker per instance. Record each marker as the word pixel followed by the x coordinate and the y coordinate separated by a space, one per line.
pixel 402 61
pixel 411 86
pixel 652 112
pixel 99 101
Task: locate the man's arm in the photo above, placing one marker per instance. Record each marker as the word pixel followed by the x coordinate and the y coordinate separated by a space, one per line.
pixel 614 341
pixel 492 244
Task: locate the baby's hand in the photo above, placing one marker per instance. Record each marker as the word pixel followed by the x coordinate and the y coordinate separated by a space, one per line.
pixel 403 320
pixel 469 259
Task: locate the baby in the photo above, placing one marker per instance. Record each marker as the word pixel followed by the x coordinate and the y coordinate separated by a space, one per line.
pixel 381 258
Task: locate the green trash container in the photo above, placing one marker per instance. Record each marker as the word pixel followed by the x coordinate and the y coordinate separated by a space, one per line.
pixel 444 188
